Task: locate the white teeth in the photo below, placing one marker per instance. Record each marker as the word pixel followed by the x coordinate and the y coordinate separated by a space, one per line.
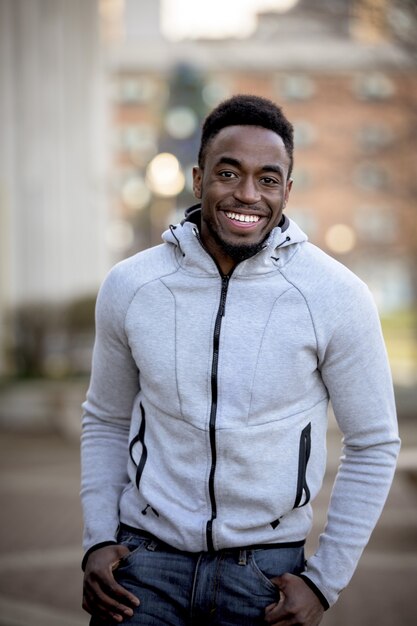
pixel 239 217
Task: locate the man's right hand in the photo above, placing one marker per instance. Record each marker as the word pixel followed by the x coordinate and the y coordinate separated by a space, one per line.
pixel 103 597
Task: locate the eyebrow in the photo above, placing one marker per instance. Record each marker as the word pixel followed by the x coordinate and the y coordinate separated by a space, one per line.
pixel 236 163
pixel 228 161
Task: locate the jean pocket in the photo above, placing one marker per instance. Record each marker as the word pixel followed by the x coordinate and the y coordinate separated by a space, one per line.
pixel 270 562
pixel 262 575
pixel 134 543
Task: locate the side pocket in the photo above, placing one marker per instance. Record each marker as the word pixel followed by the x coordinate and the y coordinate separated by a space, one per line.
pixel 303 492
pixel 140 437
pixel 134 547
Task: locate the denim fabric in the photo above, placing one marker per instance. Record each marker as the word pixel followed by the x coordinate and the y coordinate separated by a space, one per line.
pixel 227 588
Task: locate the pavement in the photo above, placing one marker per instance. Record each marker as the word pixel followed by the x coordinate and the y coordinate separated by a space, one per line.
pixel 40 516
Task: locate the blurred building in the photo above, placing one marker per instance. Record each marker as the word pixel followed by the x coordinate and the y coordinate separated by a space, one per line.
pixel 93 170
pixel 344 81
pixel 52 154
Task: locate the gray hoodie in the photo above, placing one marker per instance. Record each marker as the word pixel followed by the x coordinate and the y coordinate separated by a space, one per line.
pixel 205 420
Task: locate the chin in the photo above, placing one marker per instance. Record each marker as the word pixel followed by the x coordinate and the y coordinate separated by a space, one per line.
pixel 239 251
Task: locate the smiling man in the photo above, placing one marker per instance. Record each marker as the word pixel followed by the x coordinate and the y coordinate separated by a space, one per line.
pixel 244 183
pixel 204 429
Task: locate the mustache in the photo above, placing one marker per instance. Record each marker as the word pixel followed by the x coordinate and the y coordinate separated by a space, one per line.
pixel 236 206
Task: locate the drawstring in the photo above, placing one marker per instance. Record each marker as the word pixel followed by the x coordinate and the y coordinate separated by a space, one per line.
pixel 287 238
pixel 172 228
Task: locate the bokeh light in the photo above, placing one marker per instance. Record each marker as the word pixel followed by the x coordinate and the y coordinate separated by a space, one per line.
pixel 119 235
pixel 215 19
pixel 164 175
pixel 181 122
pixel 135 193
pixel 340 238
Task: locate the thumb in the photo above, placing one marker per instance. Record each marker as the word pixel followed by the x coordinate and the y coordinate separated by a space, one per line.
pixel 277 581
pixel 121 551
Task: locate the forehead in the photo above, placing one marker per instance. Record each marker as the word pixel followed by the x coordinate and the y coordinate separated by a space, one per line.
pixel 248 144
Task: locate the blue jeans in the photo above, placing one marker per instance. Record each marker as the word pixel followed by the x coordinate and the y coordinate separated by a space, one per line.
pixel 224 588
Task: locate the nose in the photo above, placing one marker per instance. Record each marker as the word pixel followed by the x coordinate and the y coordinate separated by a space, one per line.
pixel 246 191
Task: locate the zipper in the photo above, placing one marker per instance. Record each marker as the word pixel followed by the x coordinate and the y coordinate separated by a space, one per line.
pixel 303 458
pixel 140 437
pixel 213 411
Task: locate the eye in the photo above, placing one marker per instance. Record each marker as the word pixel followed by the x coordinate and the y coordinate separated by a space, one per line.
pixel 227 174
pixel 267 180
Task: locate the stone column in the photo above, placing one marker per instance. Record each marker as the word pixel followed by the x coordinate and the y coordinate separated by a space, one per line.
pixel 52 152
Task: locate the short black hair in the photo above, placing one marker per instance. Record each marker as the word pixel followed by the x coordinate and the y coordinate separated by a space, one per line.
pixel 247 110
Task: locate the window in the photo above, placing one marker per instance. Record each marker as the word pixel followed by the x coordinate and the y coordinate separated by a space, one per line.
pixel 389 280
pixel 302 179
pixel 304 134
pixel 375 86
pixel 377 224
pixel 136 90
pixel 305 218
pixel 296 87
pixel 371 177
pixel 138 138
pixel 374 137
pixel 215 91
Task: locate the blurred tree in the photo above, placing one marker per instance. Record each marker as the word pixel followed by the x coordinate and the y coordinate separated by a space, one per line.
pixel 181 118
pixel 401 16
pixel 44 337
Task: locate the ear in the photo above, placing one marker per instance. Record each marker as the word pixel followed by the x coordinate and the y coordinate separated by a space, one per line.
pixel 288 189
pixel 197 181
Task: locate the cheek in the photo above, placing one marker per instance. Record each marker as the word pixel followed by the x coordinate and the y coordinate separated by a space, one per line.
pixel 277 210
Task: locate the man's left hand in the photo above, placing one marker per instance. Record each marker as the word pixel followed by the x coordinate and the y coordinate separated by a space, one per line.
pixel 298 604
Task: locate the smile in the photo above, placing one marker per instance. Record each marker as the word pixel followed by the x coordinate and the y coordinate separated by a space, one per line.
pixel 239 217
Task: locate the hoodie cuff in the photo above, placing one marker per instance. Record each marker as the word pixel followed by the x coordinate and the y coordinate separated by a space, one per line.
pixel 316 590
pixel 97 546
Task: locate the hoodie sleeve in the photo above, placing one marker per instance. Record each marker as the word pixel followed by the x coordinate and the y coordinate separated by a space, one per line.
pixel 107 414
pixel 355 370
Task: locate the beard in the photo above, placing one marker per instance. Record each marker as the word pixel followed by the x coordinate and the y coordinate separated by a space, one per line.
pixel 237 252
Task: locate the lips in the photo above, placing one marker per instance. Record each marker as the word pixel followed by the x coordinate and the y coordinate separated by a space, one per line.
pixel 242 221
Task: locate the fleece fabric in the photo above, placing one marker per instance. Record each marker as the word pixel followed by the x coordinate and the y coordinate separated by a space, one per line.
pixel 205 420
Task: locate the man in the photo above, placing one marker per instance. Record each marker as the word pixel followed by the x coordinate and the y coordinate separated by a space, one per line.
pixel 204 429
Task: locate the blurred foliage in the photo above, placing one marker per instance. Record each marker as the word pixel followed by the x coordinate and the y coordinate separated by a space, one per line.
pixel 405 319
pixel 51 340
pixel 400 336
pixel 401 17
pixel 80 314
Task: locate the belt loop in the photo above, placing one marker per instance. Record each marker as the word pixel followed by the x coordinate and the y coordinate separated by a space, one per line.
pixel 242 557
pixel 152 546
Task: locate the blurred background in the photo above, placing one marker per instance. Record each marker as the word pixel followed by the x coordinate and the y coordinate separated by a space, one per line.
pixel 101 103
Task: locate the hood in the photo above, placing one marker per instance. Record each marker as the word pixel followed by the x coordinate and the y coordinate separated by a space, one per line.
pixel 279 246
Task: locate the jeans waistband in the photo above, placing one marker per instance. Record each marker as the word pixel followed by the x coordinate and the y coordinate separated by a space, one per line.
pixel 235 549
